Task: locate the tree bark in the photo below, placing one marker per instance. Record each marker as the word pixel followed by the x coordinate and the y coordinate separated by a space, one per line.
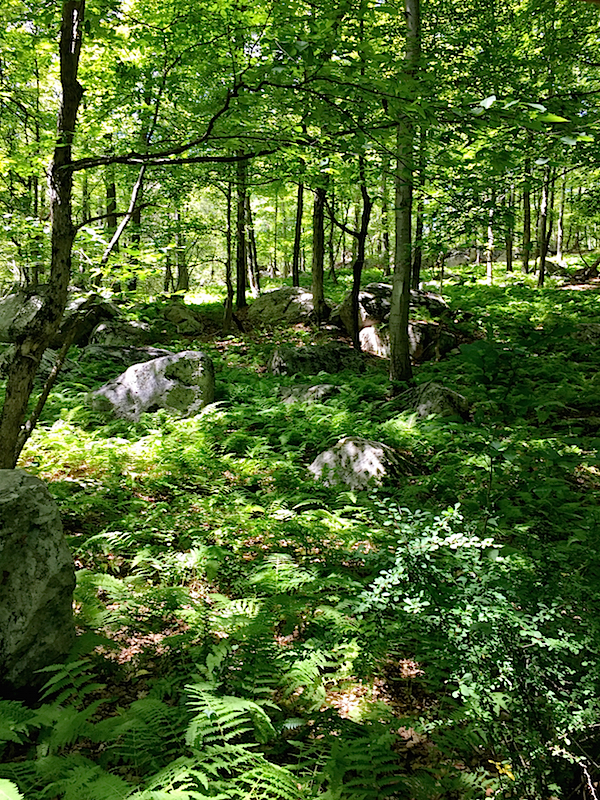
pixel 241 258
pixel 31 345
pixel 543 227
pixel 527 216
pixel 361 239
pixel 417 258
pixel 228 312
pixel 297 236
pixel 400 366
pixel 321 309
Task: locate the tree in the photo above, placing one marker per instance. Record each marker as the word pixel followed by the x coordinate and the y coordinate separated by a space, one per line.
pixel 33 343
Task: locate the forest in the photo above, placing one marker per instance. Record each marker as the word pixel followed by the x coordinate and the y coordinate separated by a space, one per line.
pixel 350 552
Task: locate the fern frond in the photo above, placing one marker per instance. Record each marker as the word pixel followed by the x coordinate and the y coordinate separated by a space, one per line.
pixel 75 777
pixel 9 791
pixel 279 573
pixel 71 682
pixel 16 720
pixel 224 719
pixel 148 735
pixel 305 677
pixel 270 782
pixel 72 724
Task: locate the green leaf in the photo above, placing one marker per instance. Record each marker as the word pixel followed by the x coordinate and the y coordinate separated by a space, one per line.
pixel 488 101
pixel 9 791
pixel 552 118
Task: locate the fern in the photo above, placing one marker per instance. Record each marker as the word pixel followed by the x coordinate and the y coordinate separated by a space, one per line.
pixel 304 678
pixel 222 720
pixel 8 791
pixel 75 777
pixel 71 682
pixel 16 720
pixel 147 735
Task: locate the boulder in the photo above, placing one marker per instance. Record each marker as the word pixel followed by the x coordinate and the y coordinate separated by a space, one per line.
pixel 121 333
pixel 433 398
pixel 121 357
pixel 289 305
pixel 356 463
pixel 306 393
pixel 374 304
pixel 427 340
pixel 82 314
pixel 37 579
pixel 181 383
pixel 186 319
pixel 312 359
pixel 17 310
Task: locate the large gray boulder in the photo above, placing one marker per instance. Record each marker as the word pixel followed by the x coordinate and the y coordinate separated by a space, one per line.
pixel 181 383
pixel 426 340
pixel 17 310
pixel 37 579
pixel 374 304
pixel 356 463
pixel 121 333
pixel 289 306
pixel 82 314
pixel 433 398
pixel 312 359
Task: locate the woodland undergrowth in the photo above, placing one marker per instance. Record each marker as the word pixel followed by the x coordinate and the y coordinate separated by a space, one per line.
pixel 247 633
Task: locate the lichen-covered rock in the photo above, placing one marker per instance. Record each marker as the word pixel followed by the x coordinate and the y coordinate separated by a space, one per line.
pixel 17 310
pixel 307 393
pixel 37 579
pixel 121 333
pixel 356 463
pixel 181 383
pixel 433 398
pixel 374 303
pixel 289 305
pixel 312 359
pixel 429 340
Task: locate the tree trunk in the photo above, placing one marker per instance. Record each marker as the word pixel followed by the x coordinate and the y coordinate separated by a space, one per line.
pixel 543 227
pixel 489 253
pixel 321 310
pixel 385 225
pixel 30 348
pixel 527 216
pixel 241 259
pixel 560 226
pixel 297 236
pixel 253 268
pixel 419 222
pixel 228 313
pixel 361 239
pixel 183 272
pixel 400 366
pixel 509 236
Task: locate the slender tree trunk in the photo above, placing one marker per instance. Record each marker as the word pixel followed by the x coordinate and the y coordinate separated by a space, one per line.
pixel 30 348
pixel 419 222
pixel 253 268
pixel 241 258
pixel 489 253
pixel 400 366
pixel 509 236
pixel 297 236
pixel 543 227
pixel 527 217
pixel 321 310
pixel 361 239
pixel 183 272
pixel 228 313
pixel 560 226
pixel 385 214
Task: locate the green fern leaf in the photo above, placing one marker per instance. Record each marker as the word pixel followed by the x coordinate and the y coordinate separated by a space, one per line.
pixel 8 791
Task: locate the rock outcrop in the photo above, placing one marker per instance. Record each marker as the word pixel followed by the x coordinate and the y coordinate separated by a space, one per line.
pixel 37 579
pixel 356 463
pixel 181 383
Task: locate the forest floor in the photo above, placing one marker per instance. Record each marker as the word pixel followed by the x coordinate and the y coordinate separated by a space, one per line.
pixel 246 632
